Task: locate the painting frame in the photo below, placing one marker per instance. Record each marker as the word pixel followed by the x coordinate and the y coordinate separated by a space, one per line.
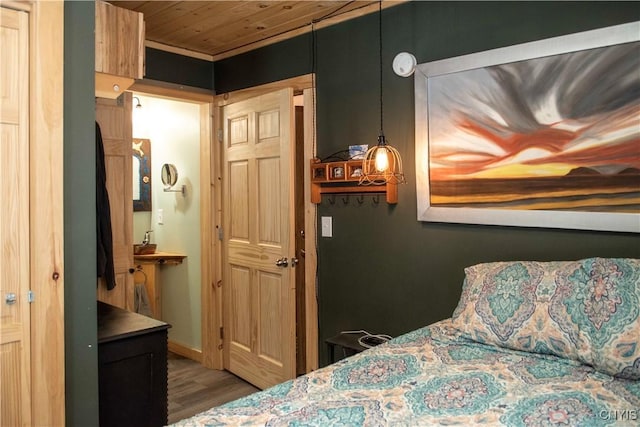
pixel 566 219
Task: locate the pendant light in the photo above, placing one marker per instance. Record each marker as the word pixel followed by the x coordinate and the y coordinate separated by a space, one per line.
pixel 382 163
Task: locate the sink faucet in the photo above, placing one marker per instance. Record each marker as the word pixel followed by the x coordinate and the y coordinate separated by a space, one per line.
pixel 146 239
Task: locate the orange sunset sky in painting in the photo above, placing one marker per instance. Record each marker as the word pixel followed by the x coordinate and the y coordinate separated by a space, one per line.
pixel 545 117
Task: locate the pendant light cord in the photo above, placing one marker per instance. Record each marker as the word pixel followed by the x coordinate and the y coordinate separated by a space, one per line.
pixel 380 40
pixel 314 70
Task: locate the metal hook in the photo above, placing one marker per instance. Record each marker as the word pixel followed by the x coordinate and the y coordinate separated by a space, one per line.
pixel 345 199
pixel 360 199
pixel 376 199
pixel 332 199
pixel 140 270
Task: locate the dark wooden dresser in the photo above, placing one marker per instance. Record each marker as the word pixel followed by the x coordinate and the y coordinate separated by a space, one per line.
pixel 132 368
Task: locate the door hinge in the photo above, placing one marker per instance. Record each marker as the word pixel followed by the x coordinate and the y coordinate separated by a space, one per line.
pixel 220 234
pixel 220 135
pixel 221 332
pixel 31 297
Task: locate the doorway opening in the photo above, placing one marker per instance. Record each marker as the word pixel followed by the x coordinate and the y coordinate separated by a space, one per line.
pixel 167 132
pixel 177 123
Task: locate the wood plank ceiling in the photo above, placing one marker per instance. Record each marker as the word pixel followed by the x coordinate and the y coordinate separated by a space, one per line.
pixel 224 28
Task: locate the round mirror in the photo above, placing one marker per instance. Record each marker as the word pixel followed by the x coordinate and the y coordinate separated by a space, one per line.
pixel 169 175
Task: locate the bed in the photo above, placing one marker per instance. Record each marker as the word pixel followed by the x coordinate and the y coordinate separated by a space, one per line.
pixel 529 344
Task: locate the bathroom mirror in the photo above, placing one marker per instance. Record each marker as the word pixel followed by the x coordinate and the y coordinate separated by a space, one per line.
pixel 141 175
pixel 169 175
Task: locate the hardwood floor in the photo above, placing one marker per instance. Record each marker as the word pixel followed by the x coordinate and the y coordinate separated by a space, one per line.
pixel 194 388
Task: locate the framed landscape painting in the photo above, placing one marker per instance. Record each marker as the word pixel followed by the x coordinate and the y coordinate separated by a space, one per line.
pixel 542 134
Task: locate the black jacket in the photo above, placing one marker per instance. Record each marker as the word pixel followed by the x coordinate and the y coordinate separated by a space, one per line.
pixel 105 265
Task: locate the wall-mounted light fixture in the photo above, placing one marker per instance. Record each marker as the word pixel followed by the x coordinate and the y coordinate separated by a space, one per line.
pixel 382 163
pixel 404 64
pixel 141 120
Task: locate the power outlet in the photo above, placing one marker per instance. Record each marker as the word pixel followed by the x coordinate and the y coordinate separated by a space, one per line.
pixel 326 226
pixel 160 216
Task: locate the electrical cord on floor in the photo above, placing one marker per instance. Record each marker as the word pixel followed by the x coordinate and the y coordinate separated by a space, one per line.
pixel 369 340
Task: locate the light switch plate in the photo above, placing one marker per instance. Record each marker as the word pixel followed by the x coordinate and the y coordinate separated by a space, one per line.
pixel 160 216
pixel 326 226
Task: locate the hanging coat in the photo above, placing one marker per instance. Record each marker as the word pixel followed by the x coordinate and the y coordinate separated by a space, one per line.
pixel 105 264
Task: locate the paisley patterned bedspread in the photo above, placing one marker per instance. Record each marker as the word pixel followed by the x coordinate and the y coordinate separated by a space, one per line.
pixel 434 376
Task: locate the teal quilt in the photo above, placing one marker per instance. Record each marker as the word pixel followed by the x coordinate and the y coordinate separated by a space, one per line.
pixel 437 376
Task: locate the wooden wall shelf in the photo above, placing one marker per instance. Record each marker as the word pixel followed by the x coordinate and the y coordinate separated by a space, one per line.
pixel 343 178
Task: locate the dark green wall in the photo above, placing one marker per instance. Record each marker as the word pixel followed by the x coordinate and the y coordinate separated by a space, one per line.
pixel 173 68
pixel 386 280
pixel 81 356
pixel 283 60
pixel 383 270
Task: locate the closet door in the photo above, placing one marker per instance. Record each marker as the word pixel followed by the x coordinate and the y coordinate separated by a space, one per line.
pixel 114 118
pixel 32 387
pixel 15 346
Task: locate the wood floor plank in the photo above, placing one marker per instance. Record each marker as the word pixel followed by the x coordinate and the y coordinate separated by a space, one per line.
pixel 192 388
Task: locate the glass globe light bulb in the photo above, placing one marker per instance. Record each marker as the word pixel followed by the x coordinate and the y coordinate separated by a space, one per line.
pixel 382 159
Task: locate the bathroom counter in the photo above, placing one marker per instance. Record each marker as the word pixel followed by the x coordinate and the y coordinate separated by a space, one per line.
pixel 161 258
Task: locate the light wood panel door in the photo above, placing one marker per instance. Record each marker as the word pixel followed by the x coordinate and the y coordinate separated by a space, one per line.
pixel 32 373
pixel 15 348
pixel 258 287
pixel 114 118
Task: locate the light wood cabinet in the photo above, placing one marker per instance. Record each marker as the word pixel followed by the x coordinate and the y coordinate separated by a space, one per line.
pixel 119 49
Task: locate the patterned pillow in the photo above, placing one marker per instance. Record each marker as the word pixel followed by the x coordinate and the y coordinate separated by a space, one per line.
pixel 587 310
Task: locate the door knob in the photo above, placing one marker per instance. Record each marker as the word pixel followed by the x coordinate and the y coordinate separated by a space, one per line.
pixel 294 262
pixel 10 298
pixel 282 262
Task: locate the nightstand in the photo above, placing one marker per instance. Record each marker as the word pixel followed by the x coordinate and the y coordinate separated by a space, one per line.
pixel 348 342
pixel 132 368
